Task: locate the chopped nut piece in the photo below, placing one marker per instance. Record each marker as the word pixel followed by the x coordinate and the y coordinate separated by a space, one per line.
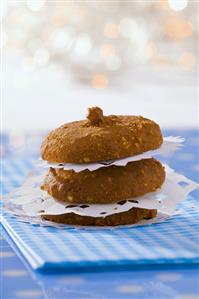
pixel 95 115
pixel 86 160
pixel 69 197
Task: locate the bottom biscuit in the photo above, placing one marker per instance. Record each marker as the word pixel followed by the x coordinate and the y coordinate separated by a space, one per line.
pixel 132 216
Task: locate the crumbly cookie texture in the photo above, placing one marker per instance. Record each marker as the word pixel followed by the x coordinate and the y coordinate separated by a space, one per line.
pixel 101 138
pixel 106 184
pixel 132 216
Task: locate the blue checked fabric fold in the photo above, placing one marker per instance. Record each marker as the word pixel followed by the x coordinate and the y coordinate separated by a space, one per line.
pixel 174 241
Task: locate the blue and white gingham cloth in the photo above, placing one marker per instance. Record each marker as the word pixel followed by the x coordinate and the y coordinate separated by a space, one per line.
pixel 174 241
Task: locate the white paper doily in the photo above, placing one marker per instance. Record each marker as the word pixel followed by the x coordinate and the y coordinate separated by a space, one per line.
pixel 29 200
pixel 170 145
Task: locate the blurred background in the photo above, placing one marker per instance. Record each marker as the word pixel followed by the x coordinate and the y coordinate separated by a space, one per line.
pixel 129 57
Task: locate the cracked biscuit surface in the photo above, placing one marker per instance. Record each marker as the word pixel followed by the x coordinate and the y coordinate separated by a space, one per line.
pixel 132 216
pixel 106 184
pixel 101 138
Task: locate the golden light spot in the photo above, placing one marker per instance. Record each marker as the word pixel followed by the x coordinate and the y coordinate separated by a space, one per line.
pixel 130 289
pixel 99 81
pixel 14 273
pixel 28 294
pixel 107 50
pixel 58 21
pixel 151 50
pixel 5 254
pixel 111 30
pixel 169 276
pixel 162 4
pixel 178 28
pixel 187 61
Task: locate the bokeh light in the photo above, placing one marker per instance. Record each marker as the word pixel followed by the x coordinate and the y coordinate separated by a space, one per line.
pixel 107 50
pixel 151 50
pixel 84 39
pixel 178 28
pixel 178 4
pixel 62 39
pixel 127 27
pixel 187 61
pixel 99 81
pixel 83 45
pixel 111 30
pixel 35 5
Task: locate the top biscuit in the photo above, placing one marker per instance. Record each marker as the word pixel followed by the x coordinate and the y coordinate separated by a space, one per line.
pixel 101 138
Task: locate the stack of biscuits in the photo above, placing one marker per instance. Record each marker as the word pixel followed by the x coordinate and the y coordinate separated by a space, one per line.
pixel 103 138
